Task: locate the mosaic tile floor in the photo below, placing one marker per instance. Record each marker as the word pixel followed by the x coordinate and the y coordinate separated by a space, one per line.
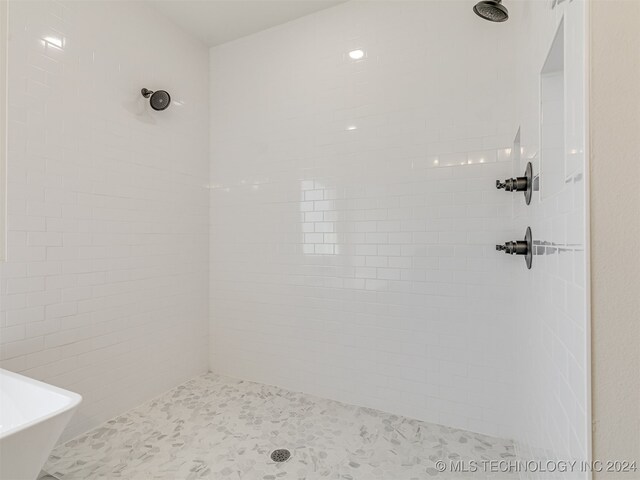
pixel 219 428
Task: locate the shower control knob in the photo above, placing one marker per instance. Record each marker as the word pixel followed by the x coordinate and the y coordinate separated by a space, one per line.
pixel 519 247
pixel 513 184
pixel 519 184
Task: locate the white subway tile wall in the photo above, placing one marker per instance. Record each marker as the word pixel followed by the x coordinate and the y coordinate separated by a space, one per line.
pixel 105 288
pixel 553 328
pixel 354 213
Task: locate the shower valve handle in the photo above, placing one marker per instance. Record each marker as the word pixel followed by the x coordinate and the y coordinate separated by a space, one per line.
pixel 517 247
pixel 520 247
pixel 519 184
pixel 513 184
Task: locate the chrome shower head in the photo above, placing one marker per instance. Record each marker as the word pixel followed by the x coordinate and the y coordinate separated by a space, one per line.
pixel 159 100
pixel 492 10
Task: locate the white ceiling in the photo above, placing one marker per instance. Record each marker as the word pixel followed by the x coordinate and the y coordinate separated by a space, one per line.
pixel 219 21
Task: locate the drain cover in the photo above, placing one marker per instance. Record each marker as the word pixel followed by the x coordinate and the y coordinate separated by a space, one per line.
pixel 280 455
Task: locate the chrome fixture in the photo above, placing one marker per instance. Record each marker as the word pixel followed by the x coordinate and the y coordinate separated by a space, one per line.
pixel 520 184
pixel 160 99
pixel 520 247
pixel 492 10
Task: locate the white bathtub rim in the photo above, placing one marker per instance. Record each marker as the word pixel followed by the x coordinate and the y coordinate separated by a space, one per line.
pixel 73 398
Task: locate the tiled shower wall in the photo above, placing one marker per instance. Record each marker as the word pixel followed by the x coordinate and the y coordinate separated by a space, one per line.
pixel 553 324
pixel 354 212
pixel 105 287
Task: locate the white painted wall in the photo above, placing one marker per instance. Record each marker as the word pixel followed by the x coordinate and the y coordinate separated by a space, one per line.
pixel 615 201
pixel 105 287
pixel 552 327
pixel 354 212
pixel 3 127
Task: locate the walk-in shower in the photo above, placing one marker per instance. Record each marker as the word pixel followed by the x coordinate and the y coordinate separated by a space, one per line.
pixel 298 269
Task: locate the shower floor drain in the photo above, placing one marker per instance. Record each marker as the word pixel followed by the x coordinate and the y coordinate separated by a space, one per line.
pixel 280 455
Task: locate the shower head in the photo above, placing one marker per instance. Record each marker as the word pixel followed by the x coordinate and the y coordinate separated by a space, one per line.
pixel 159 100
pixel 491 10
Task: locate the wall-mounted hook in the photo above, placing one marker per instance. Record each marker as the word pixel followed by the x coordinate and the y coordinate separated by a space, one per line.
pixel 519 184
pixel 520 247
